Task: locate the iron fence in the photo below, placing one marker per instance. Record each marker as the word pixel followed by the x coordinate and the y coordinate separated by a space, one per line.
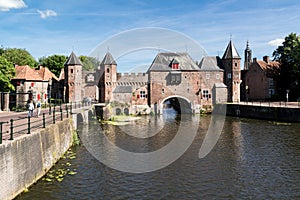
pixel 27 124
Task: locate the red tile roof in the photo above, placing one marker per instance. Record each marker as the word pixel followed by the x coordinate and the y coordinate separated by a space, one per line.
pixel 271 67
pixel 28 73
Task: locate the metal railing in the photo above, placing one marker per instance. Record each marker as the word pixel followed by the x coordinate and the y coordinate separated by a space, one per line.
pixel 26 124
pixel 282 104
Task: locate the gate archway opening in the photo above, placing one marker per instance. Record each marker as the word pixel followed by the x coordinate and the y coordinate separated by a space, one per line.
pixel 178 105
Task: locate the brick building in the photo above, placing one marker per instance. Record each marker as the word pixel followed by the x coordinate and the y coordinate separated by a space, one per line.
pixel 260 79
pixel 36 84
pixel 172 78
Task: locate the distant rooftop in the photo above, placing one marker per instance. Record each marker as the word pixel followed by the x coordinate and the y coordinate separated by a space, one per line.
pixel 163 61
pixel 123 89
pixel 210 63
pixel 31 74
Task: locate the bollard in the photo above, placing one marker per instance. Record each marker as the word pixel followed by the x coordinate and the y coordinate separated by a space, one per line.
pixel 11 129
pixel 49 109
pixel 1 133
pixel 67 110
pixel 54 116
pixel 44 121
pixel 28 131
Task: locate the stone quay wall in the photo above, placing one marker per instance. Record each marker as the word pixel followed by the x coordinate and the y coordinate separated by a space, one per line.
pixel 280 114
pixel 27 158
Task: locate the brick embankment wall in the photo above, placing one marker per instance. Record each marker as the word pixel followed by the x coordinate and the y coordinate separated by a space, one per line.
pixel 281 114
pixel 27 158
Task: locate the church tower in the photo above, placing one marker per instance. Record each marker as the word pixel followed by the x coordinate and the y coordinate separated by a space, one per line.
pixel 73 79
pixel 108 78
pixel 232 75
pixel 248 57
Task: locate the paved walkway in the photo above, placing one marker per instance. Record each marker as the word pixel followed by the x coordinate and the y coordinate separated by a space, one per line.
pixel 20 122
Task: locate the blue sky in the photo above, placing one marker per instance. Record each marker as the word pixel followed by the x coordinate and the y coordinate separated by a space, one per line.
pixel 58 27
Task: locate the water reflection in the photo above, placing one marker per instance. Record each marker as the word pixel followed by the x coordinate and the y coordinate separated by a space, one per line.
pixel 251 160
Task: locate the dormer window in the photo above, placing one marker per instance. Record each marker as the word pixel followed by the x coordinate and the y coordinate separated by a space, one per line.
pixel 175 64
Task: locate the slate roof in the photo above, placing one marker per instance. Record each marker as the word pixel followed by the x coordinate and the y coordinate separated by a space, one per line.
pixel 108 60
pixel 73 60
pixel 210 63
pixel 123 89
pixel 162 62
pixel 28 73
pixel 220 85
pixel 231 52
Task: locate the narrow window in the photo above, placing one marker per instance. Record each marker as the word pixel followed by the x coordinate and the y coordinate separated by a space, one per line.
pixel 107 70
pixel 205 94
pixel 142 94
pixel 207 76
pixel 72 71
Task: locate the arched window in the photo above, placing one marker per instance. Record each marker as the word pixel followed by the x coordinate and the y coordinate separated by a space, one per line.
pixel 107 70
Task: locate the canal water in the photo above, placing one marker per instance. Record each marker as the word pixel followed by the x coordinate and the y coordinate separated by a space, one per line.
pixel 252 160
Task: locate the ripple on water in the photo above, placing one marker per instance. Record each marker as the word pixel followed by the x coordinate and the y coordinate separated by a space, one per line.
pixel 252 160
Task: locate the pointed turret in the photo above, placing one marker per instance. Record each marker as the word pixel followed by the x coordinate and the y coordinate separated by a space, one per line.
pixel 73 78
pixel 231 62
pixel 231 52
pixel 73 60
pixel 108 60
pixel 108 77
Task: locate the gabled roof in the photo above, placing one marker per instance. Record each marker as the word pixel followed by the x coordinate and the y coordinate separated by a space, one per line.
pixel 28 73
pixel 231 52
pixel 73 60
pixel 123 89
pixel 162 62
pixel 271 67
pixel 108 60
pixel 210 63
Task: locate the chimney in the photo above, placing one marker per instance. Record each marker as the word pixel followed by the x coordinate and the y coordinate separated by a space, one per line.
pixel 266 59
pixel 254 59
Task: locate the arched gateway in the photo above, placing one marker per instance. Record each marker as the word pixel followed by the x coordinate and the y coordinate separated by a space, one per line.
pixel 180 104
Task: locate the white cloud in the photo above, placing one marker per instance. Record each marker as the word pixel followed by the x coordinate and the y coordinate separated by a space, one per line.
pixel 276 42
pixel 46 13
pixel 6 5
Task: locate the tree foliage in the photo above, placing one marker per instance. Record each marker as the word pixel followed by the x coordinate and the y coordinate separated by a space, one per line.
pixel 18 56
pixel 89 63
pixel 7 71
pixel 55 63
pixel 288 54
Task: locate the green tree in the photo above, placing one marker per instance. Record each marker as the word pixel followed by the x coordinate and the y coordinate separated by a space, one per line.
pixel 89 63
pixel 7 71
pixel 18 57
pixel 288 54
pixel 55 63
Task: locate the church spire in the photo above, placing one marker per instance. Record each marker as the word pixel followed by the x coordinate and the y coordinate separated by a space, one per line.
pixel 248 56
